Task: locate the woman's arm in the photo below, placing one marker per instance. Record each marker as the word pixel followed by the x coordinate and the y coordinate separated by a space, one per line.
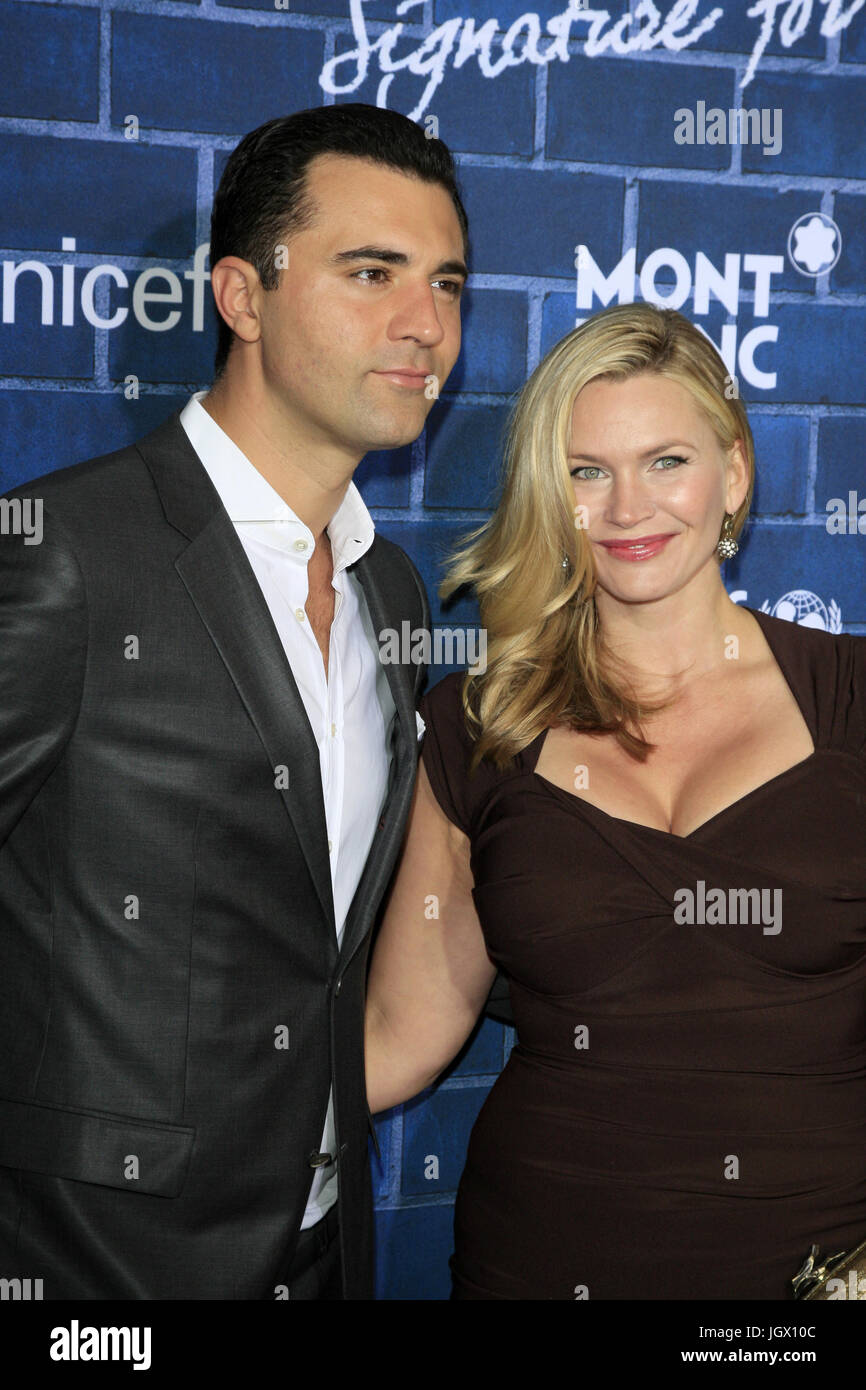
pixel 430 972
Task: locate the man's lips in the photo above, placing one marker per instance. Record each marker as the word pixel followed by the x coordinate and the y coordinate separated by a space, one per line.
pixel 640 548
pixel 405 376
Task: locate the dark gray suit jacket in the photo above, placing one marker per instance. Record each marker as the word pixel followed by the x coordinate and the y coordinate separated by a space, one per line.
pixel 173 1004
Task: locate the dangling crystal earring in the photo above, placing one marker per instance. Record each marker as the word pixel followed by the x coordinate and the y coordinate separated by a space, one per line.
pixel 565 562
pixel 727 546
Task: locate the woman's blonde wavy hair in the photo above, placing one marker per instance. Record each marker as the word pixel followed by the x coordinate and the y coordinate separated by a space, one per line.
pixel 546 658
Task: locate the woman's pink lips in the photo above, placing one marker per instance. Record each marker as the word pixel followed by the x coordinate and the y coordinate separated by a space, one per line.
pixel 636 550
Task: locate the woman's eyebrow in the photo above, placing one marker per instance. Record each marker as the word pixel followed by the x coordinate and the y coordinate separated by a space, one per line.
pixel 648 453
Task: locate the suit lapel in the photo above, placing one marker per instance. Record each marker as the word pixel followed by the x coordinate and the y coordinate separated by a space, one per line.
pixel 389 832
pixel 221 583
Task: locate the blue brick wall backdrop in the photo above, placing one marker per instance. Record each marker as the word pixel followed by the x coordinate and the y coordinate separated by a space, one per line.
pixel 116 117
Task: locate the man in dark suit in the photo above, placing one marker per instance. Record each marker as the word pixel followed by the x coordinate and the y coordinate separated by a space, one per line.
pixel 205 768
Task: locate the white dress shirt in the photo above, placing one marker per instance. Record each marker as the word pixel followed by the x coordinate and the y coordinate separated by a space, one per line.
pixel 350 711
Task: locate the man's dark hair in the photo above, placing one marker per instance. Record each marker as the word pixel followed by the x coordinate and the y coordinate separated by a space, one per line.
pixel 262 196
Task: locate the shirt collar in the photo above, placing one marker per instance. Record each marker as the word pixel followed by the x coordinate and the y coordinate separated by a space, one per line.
pixel 252 503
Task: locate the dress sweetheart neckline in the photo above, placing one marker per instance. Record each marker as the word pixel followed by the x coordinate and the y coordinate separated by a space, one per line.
pixel 582 802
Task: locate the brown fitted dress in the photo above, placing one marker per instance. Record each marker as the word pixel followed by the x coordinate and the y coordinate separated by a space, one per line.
pixel 684 1111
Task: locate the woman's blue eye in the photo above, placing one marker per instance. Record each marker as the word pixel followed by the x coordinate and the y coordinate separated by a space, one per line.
pixel 591 468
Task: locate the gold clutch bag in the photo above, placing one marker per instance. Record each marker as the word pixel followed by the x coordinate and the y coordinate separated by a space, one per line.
pixel 840 1276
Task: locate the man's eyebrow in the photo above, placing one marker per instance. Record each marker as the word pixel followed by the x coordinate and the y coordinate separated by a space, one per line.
pixel 391 257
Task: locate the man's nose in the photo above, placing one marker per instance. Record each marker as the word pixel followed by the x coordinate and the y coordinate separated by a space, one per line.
pixel 418 317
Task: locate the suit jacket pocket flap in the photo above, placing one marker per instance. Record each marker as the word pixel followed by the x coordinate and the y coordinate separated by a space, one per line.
pixel 112 1150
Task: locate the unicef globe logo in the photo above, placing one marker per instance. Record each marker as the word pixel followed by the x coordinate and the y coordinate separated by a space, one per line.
pixel 814 244
pixel 805 608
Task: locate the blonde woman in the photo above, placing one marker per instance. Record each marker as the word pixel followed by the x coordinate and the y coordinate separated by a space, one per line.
pixel 648 813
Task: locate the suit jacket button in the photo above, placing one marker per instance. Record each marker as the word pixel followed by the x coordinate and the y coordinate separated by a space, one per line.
pixel 337 987
pixel 317 1160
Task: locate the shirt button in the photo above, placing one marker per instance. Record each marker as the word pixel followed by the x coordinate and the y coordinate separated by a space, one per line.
pixel 300 614
pixel 330 846
pixel 300 545
pixel 333 731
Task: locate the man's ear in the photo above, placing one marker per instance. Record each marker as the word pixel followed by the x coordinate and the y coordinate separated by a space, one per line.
pixel 235 284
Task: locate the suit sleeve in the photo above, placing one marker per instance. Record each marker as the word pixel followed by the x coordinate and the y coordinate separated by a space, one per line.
pixel 426 621
pixel 43 653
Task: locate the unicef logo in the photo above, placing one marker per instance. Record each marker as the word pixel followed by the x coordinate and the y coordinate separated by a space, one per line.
pixel 814 244
pixel 805 608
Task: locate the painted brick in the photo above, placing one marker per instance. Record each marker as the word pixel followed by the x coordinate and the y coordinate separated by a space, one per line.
pixel 476 114
pixel 559 313
pixel 841 465
pixel 853 47
pixel 413 1246
pixel 724 220
pixel 735 32
pixel 506 11
pixel 29 349
pixel 512 237
pixel 822 125
pixel 483 1054
pixel 585 109
pixel 438 1129
pixel 493 354
pixel 428 543
pixel 185 70
pixel 830 372
pixel 384 1124
pixel 732 32
pixel 330 9
pixel 833 567
pixel 118 197
pixel 781 464
pixel 182 74
pixel 849 272
pixel 49 62
pixel 79 425
pixel 180 355
pixel 383 477
pixel 464 454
